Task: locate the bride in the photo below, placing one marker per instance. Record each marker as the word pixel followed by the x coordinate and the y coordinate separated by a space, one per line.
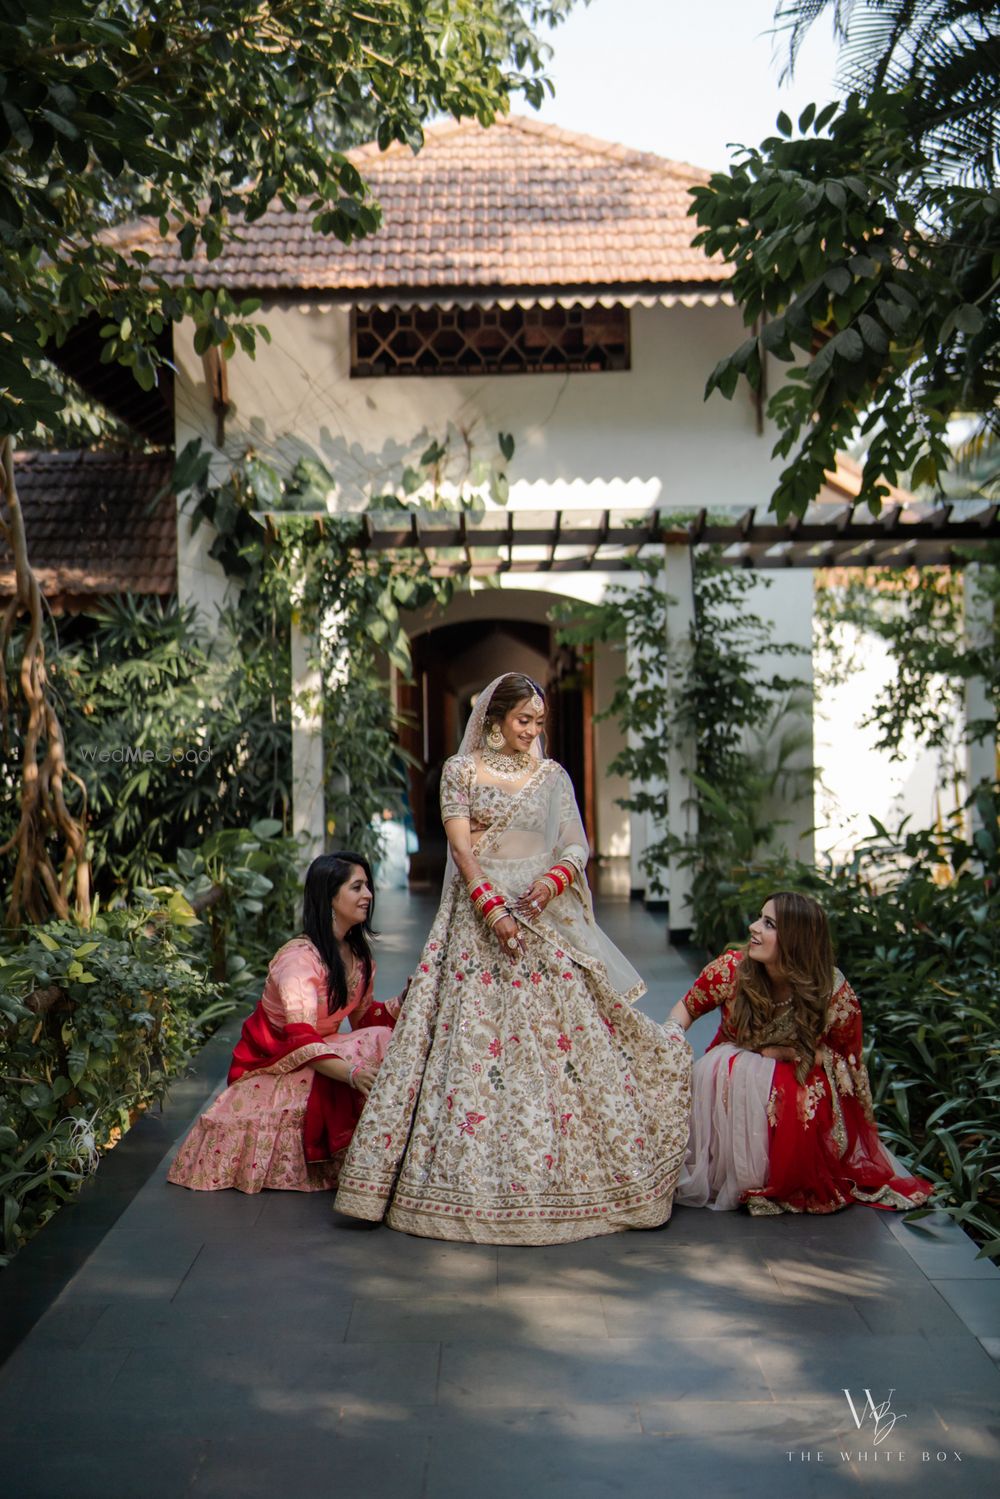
pixel 522 1100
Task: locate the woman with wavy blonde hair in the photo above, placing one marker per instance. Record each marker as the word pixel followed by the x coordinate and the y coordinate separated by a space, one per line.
pixel 782 1115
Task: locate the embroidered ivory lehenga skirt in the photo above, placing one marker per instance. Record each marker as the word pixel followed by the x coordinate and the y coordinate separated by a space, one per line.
pixel 518 1104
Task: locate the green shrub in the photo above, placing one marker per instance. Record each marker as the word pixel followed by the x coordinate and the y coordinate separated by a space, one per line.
pixel 95 1023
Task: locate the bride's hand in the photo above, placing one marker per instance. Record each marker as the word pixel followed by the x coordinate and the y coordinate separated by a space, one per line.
pixel 508 935
pixel 533 902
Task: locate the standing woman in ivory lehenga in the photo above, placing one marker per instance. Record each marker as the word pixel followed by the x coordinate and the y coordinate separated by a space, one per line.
pixel 522 1100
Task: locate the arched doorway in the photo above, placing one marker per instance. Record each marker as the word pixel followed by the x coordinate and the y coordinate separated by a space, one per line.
pixel 452 661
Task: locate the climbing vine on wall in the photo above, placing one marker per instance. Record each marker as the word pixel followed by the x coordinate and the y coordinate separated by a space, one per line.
pixel 304 564
pixel 744 717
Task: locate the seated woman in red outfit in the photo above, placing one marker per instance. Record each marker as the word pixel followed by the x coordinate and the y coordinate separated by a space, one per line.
pixel 297 1084
pixel 782 1115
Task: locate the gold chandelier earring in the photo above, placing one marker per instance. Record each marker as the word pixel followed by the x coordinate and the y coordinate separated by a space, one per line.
pixel 495 739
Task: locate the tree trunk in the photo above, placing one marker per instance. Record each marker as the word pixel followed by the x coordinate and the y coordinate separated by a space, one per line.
pixel 38 892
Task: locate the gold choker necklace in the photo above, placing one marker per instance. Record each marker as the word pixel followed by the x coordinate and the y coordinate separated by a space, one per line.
pixel 505 767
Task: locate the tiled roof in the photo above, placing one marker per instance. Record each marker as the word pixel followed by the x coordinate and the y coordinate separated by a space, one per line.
pixel 516 207
pixel 95 525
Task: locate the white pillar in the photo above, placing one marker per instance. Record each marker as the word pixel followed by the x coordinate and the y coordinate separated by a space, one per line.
pixel 682 815
pixel 308 817
pixel 980 717
pixel 638 822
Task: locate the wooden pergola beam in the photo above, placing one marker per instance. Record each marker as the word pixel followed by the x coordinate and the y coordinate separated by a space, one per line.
pixel 609 543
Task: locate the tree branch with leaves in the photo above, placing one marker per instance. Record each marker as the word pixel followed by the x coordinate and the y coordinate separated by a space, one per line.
pixel 865 247
pixel 197 115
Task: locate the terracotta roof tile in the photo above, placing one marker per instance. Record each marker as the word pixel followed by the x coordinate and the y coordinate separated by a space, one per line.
pixel 94 524
pixel 520 205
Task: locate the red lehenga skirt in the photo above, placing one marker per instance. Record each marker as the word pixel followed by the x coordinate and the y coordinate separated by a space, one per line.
pixel 760 1137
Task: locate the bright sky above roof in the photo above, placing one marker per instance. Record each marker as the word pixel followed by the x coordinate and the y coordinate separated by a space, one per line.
pixel 682 78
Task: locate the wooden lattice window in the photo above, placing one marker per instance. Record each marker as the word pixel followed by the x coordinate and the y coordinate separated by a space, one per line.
pixel 488 340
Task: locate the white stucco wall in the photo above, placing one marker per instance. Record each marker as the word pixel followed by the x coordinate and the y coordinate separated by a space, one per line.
pixel 856 776
pixel 638 437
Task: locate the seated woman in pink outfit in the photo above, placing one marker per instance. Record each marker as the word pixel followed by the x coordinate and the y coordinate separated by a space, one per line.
pixel 781 1116
pixel 297 1084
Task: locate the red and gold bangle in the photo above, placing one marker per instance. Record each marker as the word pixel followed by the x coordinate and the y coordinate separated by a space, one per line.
pixel 494 904
pixel 565 871
pixel 550 884
pixel 481 887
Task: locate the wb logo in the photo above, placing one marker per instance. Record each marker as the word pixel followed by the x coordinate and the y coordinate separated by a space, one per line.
pixel 883 1417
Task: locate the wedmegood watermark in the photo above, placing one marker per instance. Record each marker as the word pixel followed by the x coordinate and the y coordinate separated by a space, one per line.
pixel 135 754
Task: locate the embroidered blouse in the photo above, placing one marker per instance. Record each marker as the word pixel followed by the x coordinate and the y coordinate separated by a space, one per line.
pixel 840 1043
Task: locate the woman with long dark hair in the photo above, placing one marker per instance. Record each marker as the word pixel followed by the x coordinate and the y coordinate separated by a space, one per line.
pixel 782 1114
pixel 523 1100
pixel 298 1083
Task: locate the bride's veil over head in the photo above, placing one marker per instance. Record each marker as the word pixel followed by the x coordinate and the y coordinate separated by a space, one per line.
pixel 474 737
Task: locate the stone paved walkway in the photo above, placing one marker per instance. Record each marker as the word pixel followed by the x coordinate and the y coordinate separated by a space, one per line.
pixel 219 1345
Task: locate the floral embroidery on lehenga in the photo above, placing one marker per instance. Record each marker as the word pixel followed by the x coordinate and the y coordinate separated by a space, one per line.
pixel 532 1105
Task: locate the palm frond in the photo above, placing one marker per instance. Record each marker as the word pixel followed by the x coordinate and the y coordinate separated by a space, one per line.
pixel 944 53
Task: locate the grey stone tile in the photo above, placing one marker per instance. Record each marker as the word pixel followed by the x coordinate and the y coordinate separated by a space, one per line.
pixel 974 1433
pixel 528 1320
pixel 26 1379
pixel 628 1370
pixel 166 1209
pixel 913 1308
pixel 623 1265
pixel 693 1310
pixel 935 1230
pixel 208 1283
pixel 802 1364
pixel 803 1425
pixel 977 1302
pixel 70 1322
pixel 294 1459
pixel 822 1279
pixel 856 1230
pixel 121 1270
pixel 287 1212
pixel 992 1346
pixel 228 1324
pixel 103 1466
pixel 954 1262
pixel 361 1378
pixel 375 1263
pixel 499 1455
